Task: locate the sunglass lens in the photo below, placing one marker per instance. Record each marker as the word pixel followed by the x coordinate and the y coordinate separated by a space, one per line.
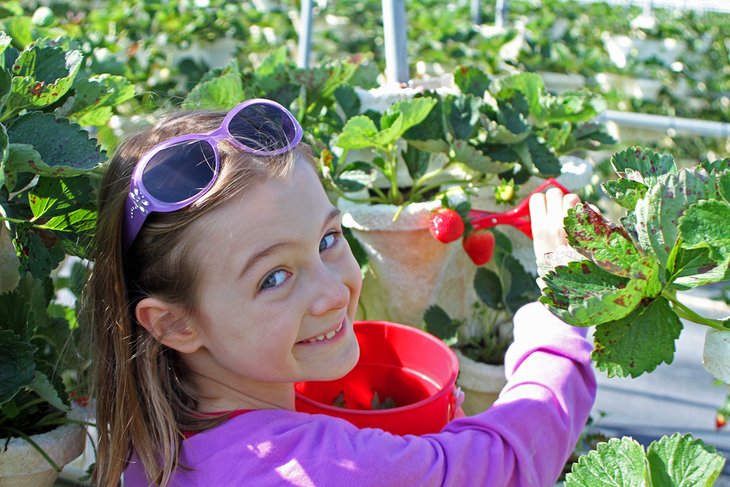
pixel 263 127
pixel 179 172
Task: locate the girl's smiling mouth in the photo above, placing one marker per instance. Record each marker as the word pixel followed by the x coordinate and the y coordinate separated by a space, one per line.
pixel 326 336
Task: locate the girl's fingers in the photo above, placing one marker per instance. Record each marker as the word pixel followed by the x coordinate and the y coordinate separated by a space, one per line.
pixel 547 212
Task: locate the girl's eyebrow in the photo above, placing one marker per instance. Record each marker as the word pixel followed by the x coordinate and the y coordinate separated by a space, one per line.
pixel 334 213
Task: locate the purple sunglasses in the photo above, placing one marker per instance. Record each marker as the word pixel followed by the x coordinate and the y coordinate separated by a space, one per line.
pixel 178 171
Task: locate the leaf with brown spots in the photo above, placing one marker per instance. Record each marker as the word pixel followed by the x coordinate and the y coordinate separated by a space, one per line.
pixel 639 342
pixel 605 243
pixel 642 165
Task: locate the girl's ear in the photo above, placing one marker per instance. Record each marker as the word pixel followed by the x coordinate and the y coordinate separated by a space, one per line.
pixel 166 323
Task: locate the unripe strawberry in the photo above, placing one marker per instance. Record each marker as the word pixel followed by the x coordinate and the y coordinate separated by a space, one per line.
pixel 479 246
pixel 446 225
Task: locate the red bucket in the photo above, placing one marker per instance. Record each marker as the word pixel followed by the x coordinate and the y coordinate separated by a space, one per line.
pixel 413 368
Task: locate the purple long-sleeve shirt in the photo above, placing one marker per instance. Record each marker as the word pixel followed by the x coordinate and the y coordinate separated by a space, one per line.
pixel 524 439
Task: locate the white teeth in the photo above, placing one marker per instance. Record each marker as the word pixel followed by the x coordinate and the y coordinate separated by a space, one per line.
pixel 325 336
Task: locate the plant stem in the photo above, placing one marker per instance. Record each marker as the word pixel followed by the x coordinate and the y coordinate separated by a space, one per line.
pixel 35 445
pixel 686 313
pixel 429 187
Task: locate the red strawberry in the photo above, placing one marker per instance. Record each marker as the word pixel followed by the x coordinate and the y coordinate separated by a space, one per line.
pixel 479 246
pixel 446 225
pixel 720 421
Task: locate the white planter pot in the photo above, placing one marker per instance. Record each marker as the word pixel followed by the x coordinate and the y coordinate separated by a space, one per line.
pixel 409 269
pixel 480 382
pixel 716 354
pixel 22 466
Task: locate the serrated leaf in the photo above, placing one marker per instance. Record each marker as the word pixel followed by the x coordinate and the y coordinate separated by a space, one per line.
pixel 5 84
pixel 682 461
pixel 42 144
pixel 95 97
pixel 348 100
pixel 43 387
pixel 606 244
pixel 358 133
pixel 499 134
pixel 530 85
pixel 462 151
pixel 403 115
pixel 471 80
pixel 625 192
pixel 416 161
pixel 572 107
pixel 37 256
pixel 23 319
pixel 693 268
pixel 221 93
pixel 488 288
pixel 639 342
pixel 523 288
pixel 462 115
pixel 646 164
pixel 707 224
pixel 546 162
pixel 430 131
pixel 42 75
pixel 59 196
pixel 723 185
pixel 583 294
pixel 17 367
pixel 439 323
pixel 658 212
pixel 513 113
pixel 5 41
pixel 616 463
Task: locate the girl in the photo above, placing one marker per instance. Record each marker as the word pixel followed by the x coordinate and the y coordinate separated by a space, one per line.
pixel 221 278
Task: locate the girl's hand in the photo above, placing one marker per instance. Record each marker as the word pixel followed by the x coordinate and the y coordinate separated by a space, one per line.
pixel 547 212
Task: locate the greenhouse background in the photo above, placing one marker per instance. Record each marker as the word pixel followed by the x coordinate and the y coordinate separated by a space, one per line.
pixel 656 74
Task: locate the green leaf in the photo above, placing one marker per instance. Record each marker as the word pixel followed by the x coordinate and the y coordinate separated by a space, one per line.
pixel 723 186
pixel 272 61
pixel 530 85
pixel 38 256
pixel 606 244
pixel 617 463
pixel 42 144
pixel 221 93
pixel 514 113
pixel 5 85
pixel 707 224
pixel 658 212
pixel 401 116
pixel 471 80
pixel 475 159
pixel 429 134
pixel 439 323
pixel 682 461
pixel 625 192
pixel 693 268
pixel 17 367
pixel 572 107
pixel 639 342
pixel 5 41
pixel 95 97
pixel 348 100
pixel 488 288
pixel 646 164
pixel 42 75
pixel 52 197
pixel 416 161
pixel 23 319
pixel 583 294
pixel 4 152
pixel 43 387
pixel 522 287
pixel 358 133
pixel 461 115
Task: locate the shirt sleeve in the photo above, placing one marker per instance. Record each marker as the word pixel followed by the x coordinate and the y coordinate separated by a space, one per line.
pixel 524 439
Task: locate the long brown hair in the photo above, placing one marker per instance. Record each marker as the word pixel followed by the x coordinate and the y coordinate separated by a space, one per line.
pixel 144 393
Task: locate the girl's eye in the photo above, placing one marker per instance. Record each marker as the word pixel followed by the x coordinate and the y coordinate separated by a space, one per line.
pixel 329 240
pixel 274 279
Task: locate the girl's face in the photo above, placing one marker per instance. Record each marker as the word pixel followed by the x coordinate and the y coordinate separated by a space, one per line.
pixel 278 292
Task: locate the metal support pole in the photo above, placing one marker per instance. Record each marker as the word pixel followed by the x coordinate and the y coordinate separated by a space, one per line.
pixel 476 11
pixel 394 32
pixel 305 34
pixel 500 13
pixel 661 122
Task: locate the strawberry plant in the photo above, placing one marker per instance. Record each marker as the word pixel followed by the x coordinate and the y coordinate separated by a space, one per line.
pixel 674 237
pixel 49 167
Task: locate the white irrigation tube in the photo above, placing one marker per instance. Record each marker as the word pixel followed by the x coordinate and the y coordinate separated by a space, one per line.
pixel 661 122
pixel 394 30
pixel 476 11
pixel 500 13
pixel 305 34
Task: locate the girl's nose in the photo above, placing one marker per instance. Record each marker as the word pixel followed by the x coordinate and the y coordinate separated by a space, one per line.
pixel 329 292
